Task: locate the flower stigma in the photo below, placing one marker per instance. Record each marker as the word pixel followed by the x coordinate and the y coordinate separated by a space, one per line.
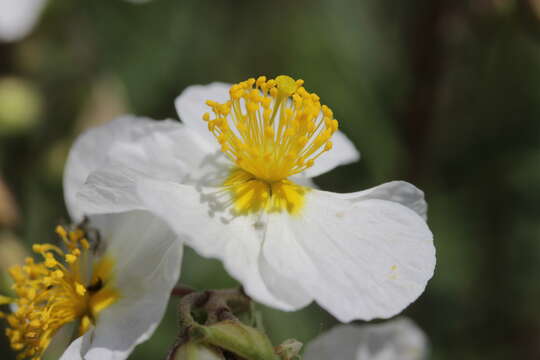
pixel 56 291
pixel 271 130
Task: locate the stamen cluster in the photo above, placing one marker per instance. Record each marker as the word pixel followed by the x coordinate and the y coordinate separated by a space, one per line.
pixel 50 293
pixel 273 128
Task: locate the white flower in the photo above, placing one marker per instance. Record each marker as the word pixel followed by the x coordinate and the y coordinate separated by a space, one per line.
pixel 398 339
pixel 360 255
pixel 108 281
pixel 147 258
pixel 18 17
pixel 112 278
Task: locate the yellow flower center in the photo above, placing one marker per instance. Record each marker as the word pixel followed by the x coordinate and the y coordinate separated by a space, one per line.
pixel 271 130
pixel 55 291
pixel 252 195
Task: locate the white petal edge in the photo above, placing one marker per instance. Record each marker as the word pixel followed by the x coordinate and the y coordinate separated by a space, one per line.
pixel 18 18
pixel 401 192
pixel 359 260
pixel 397 339
pixel 78 346
pixel 343 152
pixel 147 258
pixel 91 149
pixel 191 106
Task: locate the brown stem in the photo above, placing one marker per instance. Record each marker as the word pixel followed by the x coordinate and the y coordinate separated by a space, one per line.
pixel 218 308
pixel 182 290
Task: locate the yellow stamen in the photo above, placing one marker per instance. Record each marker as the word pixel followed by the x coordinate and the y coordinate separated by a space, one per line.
pixel 271 129
pixel 50 294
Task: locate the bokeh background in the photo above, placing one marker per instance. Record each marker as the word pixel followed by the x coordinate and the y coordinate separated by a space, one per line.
pixel 444 94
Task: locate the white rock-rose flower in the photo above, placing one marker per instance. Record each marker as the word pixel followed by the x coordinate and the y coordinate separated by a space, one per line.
pixel 108 282
pixel 233 180
pixel 398 339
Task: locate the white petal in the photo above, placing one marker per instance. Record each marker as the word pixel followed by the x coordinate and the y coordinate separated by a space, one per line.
pixel 289 265
pixel 343 152
pixel 205 223
pixel 398 191
pixel 109 190
pixel 176 153
pixel 398 339
pixel 147 257
pixel 359 260
pixel 339 343
pixel 18 17
pixel 191 106
pixel 171 152
pixel 78 347
pixel 113 187
pixel 302 180
pixel 91 149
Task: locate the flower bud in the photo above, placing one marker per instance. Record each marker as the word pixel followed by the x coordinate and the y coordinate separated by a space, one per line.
pixel 240 339
pixel 197 351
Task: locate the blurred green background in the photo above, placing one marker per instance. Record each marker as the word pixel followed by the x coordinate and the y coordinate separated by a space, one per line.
pixel 444 94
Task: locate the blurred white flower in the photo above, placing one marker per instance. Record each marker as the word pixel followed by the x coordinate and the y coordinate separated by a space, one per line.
pixel 398 339
pixel 360 255
pixel 18 17
pixel 112 278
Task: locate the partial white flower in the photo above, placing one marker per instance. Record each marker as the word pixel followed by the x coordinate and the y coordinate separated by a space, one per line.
pixel 111 278
pixel 398 339
pixel 360 255
pixel 18 17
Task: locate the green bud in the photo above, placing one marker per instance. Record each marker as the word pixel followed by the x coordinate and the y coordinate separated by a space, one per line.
pixel 240 339
pixel 197 351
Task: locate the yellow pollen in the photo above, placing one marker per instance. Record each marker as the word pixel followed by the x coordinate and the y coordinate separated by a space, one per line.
pixel 80 289
pixel 71 258
pixel 272 129
pixel 51 293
